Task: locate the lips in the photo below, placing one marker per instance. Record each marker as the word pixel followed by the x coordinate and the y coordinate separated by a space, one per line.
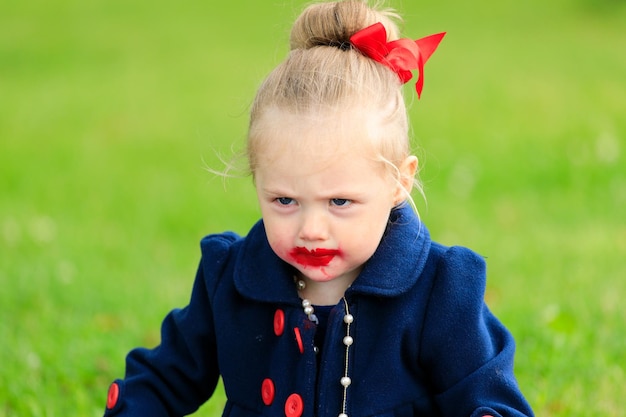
pixel 314 257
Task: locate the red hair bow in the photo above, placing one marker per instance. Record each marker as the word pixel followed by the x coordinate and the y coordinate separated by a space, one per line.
pixel 402 55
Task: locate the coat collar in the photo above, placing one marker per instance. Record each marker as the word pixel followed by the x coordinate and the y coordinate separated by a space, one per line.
pixel 392 270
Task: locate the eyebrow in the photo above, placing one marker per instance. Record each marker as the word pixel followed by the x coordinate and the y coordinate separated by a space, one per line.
pixel 348 195
pixel 275 191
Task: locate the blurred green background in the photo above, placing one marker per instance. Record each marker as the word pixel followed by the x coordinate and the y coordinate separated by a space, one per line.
pixel 110 111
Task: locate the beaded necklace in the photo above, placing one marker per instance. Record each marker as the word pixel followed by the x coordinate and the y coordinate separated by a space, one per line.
pixel 348 319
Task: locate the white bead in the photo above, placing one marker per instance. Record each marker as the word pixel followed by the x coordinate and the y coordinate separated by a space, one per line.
pixel 348 318
pixel 346 381
pixel 348 340
pixel 343 415
pixel 306 303
pixel 308 310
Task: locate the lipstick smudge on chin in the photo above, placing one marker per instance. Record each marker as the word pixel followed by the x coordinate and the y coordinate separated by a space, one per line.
pixel 314 257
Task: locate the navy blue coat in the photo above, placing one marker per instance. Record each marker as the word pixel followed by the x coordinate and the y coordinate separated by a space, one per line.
pixel 425 343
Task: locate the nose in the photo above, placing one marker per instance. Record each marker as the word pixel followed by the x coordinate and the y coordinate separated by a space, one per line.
pixel 314 226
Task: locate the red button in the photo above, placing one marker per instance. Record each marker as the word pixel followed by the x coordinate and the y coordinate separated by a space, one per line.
pixel 113 395
pixel 268 391
pixel 294 406
pixel 299 339
pixel 279 322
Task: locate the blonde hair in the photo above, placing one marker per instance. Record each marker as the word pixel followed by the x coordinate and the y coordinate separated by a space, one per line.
pixel 324 75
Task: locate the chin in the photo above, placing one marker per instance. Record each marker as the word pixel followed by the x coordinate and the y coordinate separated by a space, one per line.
pixel 316 274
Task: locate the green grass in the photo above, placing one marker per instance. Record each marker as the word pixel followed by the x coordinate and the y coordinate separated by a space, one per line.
pixel 109 112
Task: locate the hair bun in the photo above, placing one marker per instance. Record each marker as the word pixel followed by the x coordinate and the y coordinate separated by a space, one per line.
pixel 332 24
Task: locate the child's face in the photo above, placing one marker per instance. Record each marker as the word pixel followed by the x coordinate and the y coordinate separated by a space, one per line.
pixel 325 211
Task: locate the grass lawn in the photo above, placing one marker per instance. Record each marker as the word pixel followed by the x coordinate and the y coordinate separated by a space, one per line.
pixel 110 111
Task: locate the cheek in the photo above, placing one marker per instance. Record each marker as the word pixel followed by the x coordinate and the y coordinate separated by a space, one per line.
pixel 278 240
pixel 371 232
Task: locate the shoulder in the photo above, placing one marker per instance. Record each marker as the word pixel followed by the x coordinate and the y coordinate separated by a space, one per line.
pixel 218 244
pixel 456 258
pixel 225 254
pixel 223 245
pixel 223 242
pixel 459 273
pixel 219 252
pixel 217 248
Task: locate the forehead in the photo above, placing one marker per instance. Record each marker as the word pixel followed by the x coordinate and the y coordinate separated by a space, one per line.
pixel 319 135
pixel 327 151
pixel 322 173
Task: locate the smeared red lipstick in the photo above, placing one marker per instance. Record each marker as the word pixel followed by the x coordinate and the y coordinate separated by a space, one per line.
pixel 314 257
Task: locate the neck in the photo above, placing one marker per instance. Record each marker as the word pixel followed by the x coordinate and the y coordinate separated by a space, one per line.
pixel 326 292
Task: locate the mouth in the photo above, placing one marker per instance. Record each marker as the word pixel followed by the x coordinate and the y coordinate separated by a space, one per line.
pixel 314 257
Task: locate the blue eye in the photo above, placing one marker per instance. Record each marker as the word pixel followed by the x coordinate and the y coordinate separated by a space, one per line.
pixel 285 201
pixel 340 202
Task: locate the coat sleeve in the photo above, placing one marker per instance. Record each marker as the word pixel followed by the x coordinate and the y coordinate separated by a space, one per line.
pixel 466 351
pixel 179 375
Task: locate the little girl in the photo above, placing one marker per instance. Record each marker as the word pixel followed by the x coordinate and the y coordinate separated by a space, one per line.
pixel 336 303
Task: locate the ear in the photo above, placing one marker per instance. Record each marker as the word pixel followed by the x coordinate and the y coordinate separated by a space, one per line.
pixel 406 176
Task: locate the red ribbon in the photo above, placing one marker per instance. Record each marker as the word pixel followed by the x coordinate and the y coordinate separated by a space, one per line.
pixel 401 56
